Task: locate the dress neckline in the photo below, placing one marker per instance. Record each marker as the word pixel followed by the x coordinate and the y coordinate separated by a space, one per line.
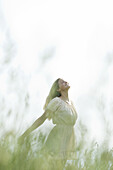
pixel 67 102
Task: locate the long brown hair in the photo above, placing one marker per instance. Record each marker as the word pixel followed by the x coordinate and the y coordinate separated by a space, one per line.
pixel 53 93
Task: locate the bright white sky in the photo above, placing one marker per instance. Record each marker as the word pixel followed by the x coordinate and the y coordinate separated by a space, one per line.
pixel 78 33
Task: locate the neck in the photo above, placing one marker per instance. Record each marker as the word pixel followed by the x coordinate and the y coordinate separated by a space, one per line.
pixel 64 96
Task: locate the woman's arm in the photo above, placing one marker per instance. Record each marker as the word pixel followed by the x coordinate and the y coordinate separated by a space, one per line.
pixel 36 124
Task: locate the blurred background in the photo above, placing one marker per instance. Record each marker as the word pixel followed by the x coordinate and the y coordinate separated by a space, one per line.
pixel 42 40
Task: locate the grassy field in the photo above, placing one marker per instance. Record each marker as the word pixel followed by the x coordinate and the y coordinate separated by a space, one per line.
pixel 28 156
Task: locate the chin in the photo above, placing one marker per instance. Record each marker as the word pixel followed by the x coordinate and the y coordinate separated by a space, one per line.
pixel 68 87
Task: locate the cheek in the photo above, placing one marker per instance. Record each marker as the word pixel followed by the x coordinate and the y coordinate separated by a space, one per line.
pixel 63 87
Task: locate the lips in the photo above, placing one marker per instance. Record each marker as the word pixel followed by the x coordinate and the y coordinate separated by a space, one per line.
pixel 67 84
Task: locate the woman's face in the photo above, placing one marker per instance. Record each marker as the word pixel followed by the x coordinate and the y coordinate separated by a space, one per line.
pixel 63 85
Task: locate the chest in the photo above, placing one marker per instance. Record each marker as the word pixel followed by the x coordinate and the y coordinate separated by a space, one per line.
pixel 67 110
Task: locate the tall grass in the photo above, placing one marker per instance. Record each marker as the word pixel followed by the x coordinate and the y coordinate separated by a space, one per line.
pixel 29 156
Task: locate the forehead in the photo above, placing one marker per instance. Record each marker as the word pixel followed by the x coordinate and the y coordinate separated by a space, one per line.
pixel 61 80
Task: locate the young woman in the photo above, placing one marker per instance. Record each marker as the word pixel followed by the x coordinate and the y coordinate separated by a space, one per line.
pixel 61 140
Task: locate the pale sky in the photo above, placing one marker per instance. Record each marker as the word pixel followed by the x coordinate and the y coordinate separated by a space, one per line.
pixel 77 34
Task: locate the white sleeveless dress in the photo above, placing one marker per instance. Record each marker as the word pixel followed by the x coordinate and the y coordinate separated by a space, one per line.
pixel 61 140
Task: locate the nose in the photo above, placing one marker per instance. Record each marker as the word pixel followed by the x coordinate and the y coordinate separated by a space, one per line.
pixel 67 83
